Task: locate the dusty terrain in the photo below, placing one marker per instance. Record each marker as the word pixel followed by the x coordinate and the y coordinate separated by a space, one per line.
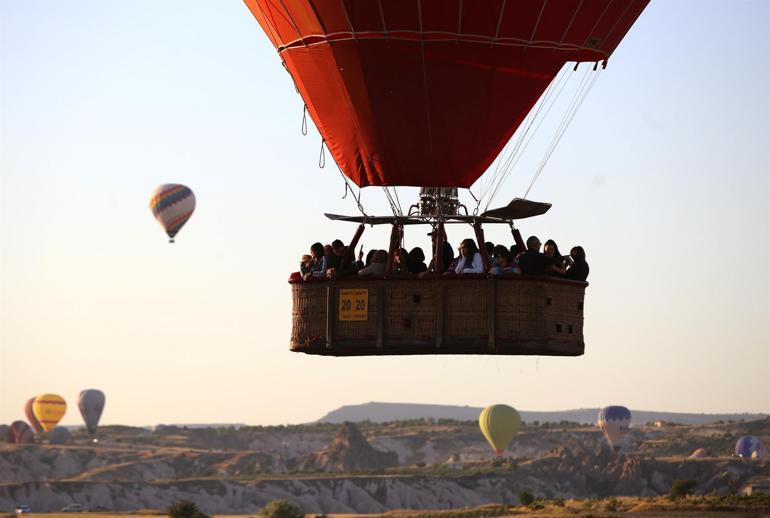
pixel 369 468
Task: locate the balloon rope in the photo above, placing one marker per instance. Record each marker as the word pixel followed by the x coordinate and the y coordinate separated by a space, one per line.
pixel 322 156
pixel 569 116
pixel 514 158
pixel 501 170
pixel 349 188
pixel 506 164
pixel 304 120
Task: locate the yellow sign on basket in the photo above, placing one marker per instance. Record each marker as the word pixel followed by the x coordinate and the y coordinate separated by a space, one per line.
pixel 354 305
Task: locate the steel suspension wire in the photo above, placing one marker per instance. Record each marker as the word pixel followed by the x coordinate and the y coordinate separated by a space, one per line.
pixel 510 158
pixel 349 189
pixel 393 206
pixel 503 163
pixel 549 100
pixel 580 96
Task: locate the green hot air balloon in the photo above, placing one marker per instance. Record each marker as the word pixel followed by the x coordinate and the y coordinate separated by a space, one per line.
pixel 91 405
pixel 499 424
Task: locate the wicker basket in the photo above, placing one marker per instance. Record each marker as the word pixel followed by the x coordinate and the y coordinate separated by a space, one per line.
pixel 446 315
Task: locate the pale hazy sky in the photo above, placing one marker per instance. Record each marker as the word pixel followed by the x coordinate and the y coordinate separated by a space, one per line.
pixel 662 177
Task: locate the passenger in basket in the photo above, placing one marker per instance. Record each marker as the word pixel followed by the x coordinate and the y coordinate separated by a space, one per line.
pixel 337 252
pixel 490 246
pixel 306 264
pixel 318 264
pixel 331 259
pixel 400 261
pixel 415 262
pixel 470 258
pixel 578 269
pixel 505 264
pixel 377 268
pixel 361 264
pixel 447 257
pixel 556 266
pixel 532 262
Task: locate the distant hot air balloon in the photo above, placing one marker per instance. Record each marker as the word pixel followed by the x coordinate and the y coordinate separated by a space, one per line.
pixel 91 404
pixel 59 435
pixel 700 453
pixel 614 422
pixel 750 447
pixel 33 422
pixel 20 433
pixel 499 424
pixel 4 431
pixel 49 409
pixel 172 205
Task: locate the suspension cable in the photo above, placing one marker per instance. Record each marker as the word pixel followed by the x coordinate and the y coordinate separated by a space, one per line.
pixel 522 144
pixel 505 165
pixel 529 120
pixel 349 189
pixel 569 116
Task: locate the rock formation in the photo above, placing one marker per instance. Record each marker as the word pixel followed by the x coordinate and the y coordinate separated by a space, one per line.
pixel 349 451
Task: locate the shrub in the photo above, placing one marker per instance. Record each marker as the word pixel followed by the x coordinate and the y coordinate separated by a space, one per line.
pixel 681 488
pixel 185 509
pixel 281 509
pixel 611 505
pixel 526 498
pixel 559 502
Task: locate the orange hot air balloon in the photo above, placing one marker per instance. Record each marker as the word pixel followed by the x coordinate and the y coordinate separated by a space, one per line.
pixel 48 410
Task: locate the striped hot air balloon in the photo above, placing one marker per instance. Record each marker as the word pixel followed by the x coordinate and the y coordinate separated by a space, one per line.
pixel 31 416
pixel 49 409
pixel 172 205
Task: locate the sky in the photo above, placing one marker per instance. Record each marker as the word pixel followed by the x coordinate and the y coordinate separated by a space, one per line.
pixel 663 177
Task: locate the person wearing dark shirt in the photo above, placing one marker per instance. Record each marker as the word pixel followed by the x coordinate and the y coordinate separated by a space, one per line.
pixel 332 259
pixel 490 246
pixel 415 262
pixel 556 264
pixel 447 256
pixel 532 262
pixel 578 270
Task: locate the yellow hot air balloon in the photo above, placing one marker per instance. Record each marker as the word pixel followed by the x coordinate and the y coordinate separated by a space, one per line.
pixel 499 424
pixel 49 409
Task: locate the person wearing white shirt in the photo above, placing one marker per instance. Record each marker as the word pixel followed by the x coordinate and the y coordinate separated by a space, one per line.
pixel 470 258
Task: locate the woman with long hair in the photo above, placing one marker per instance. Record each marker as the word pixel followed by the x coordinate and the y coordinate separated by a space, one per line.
pixel 578 270
pixel 470 258
pixel 556 264
pixel 317 262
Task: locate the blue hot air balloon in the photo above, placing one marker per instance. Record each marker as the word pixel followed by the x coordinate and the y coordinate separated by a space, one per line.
pixel 614 422
pixel 750 447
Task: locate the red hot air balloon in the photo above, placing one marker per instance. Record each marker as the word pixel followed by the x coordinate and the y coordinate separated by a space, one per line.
pixel 427 92
pixel 20 433
pixel 30 414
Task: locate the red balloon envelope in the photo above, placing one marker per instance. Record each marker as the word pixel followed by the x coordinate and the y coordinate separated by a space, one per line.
pixel 36 426
pixel 20 433
pixel 427 92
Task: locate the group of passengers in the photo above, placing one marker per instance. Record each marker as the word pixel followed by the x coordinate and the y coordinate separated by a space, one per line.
pixel 335 261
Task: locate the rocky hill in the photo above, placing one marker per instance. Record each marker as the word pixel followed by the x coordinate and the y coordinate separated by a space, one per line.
pixel 349 451
pixel 366 468
pixel 384 412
